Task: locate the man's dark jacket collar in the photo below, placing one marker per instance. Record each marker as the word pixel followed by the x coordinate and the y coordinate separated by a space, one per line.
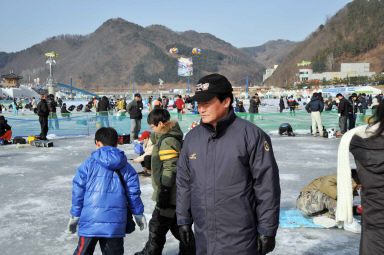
pixel 222 124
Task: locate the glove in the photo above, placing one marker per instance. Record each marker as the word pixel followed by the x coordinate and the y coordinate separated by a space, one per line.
pixel 186 235
pixel 339 114
pixel 141 221
pixel 265 244
pixel 164 197
pixel 72 225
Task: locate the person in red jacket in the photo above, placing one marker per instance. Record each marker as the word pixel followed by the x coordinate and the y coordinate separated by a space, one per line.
pixel 180 105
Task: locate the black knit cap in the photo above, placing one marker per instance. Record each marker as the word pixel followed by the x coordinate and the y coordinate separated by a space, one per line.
pixel 210 86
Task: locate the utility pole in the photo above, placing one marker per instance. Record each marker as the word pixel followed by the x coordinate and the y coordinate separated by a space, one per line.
pixel 133 86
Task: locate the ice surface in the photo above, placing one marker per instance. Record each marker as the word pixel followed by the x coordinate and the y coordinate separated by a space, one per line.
pixel 35 188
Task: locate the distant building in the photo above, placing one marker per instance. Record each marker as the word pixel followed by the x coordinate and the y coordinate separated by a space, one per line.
pixel 269 72
pixel 11 80
pixel 347 70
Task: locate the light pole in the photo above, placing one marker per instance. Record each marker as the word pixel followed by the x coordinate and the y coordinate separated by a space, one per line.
pixel 51 86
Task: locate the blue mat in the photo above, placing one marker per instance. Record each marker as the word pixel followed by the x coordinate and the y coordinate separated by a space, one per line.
pixel 294 219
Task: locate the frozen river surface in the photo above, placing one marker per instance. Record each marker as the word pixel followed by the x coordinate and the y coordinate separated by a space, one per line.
pixel 35 188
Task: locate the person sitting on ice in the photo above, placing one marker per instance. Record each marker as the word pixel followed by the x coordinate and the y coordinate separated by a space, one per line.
pixel 145 158
pixel 285 129
pixel 64 111
pixel 5 130
pixel 319 200
pixel 106 190
pixel 240 107
pixel 88 107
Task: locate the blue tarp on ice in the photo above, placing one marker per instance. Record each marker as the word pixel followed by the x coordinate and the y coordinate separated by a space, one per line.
pixel 294 219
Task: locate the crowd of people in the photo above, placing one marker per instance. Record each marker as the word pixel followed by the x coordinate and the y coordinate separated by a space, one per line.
pixel 186 182
pixel 214 192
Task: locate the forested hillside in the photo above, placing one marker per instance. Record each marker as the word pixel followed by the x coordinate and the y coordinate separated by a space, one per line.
pixel 271 53
pixel 354 34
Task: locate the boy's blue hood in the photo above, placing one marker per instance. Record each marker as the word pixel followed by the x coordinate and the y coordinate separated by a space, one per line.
pixel 110 157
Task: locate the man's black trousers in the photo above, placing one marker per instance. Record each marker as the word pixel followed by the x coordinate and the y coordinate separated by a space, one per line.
pixel 343 124
pixel 44 126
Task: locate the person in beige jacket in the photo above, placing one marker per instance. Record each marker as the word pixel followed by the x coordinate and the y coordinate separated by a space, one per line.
pixel 145 158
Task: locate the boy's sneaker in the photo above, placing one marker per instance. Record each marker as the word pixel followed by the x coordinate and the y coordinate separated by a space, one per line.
pixel 324 221
pixel 354 227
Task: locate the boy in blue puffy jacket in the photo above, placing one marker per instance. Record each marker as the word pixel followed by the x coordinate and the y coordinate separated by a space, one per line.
pixel 99 200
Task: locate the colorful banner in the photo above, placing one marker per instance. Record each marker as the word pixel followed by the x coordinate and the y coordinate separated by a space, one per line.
pixel 185 67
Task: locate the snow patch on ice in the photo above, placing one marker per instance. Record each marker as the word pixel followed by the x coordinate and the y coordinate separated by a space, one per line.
pixel 289 177
pixel 51 136
pixel 60 182
pixel 41 158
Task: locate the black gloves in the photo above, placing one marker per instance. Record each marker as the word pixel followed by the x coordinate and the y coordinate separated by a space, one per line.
pixel 265 244
pixel 186 235
pixel 164 197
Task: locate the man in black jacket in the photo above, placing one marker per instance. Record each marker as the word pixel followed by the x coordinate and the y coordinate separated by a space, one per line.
pixel 343 110
pixel 355 106
pixel 254 105
pixel 134 109
pixel 315 108
pixel 281 104
pixel 102 109
pixel 363 103
pixel 43 112
pixel 52 111
pixel 227 179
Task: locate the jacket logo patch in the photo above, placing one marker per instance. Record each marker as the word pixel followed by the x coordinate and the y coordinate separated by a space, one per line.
pixel 193 156
pixel 266 146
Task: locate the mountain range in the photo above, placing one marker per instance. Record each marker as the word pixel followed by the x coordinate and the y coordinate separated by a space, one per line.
pixel 120 51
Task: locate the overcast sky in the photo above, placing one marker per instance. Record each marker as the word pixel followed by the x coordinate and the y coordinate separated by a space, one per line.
pixel 242 23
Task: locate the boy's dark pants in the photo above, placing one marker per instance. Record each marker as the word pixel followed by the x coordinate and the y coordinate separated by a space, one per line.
pixel 147 162
pixel 108 246
pixel 158 228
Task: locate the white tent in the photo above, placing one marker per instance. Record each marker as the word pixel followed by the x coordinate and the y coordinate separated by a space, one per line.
pixel 367 90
